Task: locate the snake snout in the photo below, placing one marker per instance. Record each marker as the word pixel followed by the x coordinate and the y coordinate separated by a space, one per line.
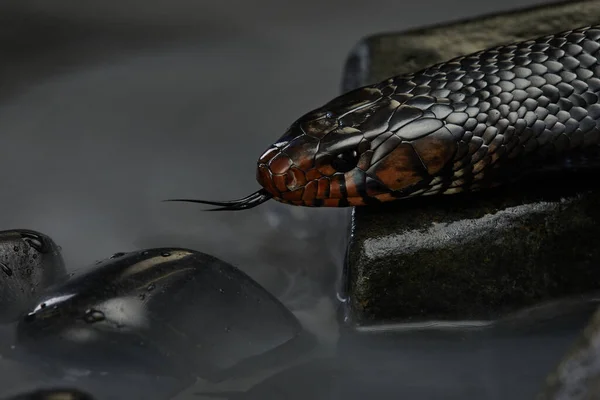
pixel 272 171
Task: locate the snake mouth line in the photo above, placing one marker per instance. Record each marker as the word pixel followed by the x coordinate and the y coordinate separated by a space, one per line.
pixel 250 201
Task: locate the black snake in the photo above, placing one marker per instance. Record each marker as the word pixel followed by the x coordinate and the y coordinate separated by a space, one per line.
pixel 473 122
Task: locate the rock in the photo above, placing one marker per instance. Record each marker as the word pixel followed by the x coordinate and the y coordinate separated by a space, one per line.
pixel 263 244
pixel 377 57
pixel 52 394
pixel 476 256
pixel 162 311
pixel 421 363
pixel 577 376
pixel 502 359
pixel 29 262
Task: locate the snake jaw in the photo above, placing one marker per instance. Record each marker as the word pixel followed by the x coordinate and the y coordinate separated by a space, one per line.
pixel 250 201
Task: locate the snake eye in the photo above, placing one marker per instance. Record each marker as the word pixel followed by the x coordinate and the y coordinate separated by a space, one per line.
pixel 345 161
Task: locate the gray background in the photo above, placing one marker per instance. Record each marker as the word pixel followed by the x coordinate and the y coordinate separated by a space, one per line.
pixel 109 107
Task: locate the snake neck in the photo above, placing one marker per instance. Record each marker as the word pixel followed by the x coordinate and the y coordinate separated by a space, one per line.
pixel 511 110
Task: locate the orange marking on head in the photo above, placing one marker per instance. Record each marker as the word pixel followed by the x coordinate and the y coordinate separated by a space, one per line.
pixel 294 195
pixel 356 201
pixel 400 169
pixel 310 191
pixel 331 202
pixel 327 170
pixel 323 188
pixel 335 189
pixel 295 178
pixel 280 164
pixel 351 189
pixel 313 174
pixel 264 178
pixel 385 197
pixel 436 150
pixel 279 181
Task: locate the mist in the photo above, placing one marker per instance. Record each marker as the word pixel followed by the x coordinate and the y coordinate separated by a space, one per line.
pixel 108 108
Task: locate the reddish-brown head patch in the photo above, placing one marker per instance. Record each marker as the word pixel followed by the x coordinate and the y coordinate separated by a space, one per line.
pixel 400 169
pixel 436 150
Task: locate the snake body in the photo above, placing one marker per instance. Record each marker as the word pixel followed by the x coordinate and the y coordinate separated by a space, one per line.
pixel 473 122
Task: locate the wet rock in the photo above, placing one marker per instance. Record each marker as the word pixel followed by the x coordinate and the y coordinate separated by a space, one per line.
pixel 577 377
pixel 299 266
pixel 29 262
pixel 52 394
pixel 501 359
pixel 379 56
pixel 476 256
pixel 420 362
pixel 165 311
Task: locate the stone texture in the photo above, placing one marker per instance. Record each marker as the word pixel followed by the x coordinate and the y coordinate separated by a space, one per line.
pixel 503 359
pixel 475 256
pixel 380 56
pixel 161 311
pixel 29 262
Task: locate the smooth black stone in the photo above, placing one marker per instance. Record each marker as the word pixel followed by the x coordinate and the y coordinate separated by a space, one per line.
pixel 474 256
pixel 53 394
pixel 165 311
pixel 29 262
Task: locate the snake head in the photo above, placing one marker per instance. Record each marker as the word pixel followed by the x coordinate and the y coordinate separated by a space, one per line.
pixel 369 145
pixel 365 146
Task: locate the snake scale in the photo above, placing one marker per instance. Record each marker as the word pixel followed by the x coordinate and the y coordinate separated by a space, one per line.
pixel 473 122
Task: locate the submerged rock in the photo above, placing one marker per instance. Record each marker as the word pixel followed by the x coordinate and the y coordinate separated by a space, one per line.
pixel 165 311
pixel 29 262
pixel 476 256
pixel 577 377
pixel 315 380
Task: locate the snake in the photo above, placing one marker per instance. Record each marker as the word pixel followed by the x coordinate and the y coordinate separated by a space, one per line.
pixel 474 122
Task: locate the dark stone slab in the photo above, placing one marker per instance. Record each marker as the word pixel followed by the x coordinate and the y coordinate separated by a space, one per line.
pixel 29 262
pixel 502 359
pixel 470 256
pixel 167 312
pixel 380 56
